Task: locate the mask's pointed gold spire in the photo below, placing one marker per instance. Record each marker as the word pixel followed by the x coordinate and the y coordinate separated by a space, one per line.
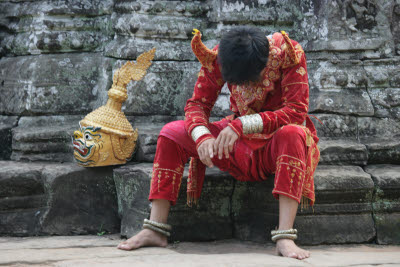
pixel 205 55
pixel 110 117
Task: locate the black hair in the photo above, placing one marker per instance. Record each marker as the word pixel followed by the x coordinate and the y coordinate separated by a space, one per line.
pixel 243 54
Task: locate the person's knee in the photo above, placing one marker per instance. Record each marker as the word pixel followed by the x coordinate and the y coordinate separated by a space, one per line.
pixel 173 126
pixel 291 133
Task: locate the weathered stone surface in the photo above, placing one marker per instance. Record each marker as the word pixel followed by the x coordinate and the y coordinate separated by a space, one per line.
pixel 344 184
pixel 82 251
pixel 80 200
pixel 165 89
pixel 48 26
pixel 386 177
pixel 386 102
pixel 172 8
pixel 30 86
pixel 328 75
pixel 351 48
pixel 344 102
pixel 21 198
pixel 254 210
pixel 34 140
pixel 62 199
pixel 335 126
pixel 395 22
pixel 36 8
pixel 147 142
pixel 20 179
pixel 45 42
pixel 387 227
pixel 335 229
pixel 387 182
pixel 383 128
pixel 386 202
pixel 382 150
pixel 129 47
pixel 342 152
pixel 382 73
pixel 211 218
pixel 151 26
pixel 343 194
pixel 366 22
pixel 6 124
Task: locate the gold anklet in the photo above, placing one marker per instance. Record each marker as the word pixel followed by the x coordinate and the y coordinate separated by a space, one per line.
pixel 284 236
pixel 154 228
pixel 289 231
pixel 163 226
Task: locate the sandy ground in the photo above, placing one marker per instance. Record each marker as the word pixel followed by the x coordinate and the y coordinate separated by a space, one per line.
pixel 101 251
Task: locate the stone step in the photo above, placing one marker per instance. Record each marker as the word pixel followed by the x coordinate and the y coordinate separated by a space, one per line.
pixel 212 216
pixel 386 202
pixel 34 141
pixel 343 212
pixel 6 124
pixel 44 198
pixel 334 151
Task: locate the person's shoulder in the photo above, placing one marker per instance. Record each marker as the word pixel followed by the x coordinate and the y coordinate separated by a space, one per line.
pixel 279 39
pixel 291 50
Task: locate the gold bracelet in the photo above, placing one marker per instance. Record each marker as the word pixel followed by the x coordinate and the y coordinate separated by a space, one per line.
pixel 252 123
pixel 198 131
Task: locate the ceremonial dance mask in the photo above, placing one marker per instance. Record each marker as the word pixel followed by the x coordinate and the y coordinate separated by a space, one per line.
pixel 105 137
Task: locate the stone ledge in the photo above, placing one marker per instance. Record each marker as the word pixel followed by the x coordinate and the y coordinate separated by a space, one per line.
pixel 386 202
pixel 342 152
pixel 56 199
pixel 212 216
pixel 6 124
pixel 248 211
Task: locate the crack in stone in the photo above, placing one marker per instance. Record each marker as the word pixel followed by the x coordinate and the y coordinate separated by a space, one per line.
pixel 231 215
pixel 374 192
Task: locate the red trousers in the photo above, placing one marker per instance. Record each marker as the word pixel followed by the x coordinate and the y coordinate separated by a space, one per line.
pixel 284 154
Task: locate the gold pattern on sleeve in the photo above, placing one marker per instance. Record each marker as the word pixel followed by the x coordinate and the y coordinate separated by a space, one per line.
pixel 301 71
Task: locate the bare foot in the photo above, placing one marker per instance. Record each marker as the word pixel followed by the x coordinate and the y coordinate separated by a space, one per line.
pixel 145 238
pixel 287 248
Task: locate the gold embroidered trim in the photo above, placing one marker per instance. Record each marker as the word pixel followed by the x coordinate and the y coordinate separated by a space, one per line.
pixel 284 163
pixel 284 155
pixel 294 83
pixel 178 172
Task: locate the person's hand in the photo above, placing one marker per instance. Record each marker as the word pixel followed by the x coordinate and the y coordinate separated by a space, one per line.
pixel 225 141
pixel 206 153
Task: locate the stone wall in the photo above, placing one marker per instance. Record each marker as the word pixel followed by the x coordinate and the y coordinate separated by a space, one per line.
pixel 57 58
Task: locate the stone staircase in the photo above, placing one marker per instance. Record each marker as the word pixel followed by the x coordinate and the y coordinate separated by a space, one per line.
pixel 353 204
pixel 56 63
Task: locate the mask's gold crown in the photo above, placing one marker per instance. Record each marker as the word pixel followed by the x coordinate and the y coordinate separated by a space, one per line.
pixel 110 117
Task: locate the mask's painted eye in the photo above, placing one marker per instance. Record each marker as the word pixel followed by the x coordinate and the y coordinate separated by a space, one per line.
pixel 88 137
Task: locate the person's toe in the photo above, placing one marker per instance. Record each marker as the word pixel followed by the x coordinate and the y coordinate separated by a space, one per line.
pixel 292 255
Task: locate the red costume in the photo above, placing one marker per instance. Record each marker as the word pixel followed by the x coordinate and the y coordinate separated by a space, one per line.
pixel 286 146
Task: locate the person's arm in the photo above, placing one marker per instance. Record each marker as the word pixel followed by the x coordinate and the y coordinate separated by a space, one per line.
pixel 295 98
pixel 199 106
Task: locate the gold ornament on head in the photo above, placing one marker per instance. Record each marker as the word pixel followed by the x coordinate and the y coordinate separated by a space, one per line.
pixel 205 55
pixel 105 136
